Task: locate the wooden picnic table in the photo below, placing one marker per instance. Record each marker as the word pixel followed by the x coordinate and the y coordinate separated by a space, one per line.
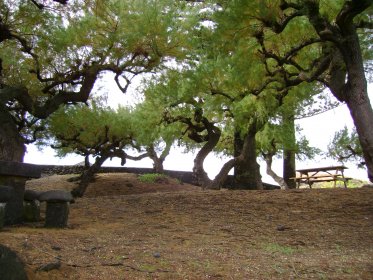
pixel 321 174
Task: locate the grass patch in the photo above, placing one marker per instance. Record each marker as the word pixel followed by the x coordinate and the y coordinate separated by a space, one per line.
pixel 353 183
pixel 152 178
pixel 277 248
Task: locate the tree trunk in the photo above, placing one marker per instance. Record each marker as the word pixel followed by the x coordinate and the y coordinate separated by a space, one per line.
pixel 353 91
pixel 12 147
pixel 198 170
pixel 221 178
pixel 268 159
pixel 362 115
pixel 289 154
pixel 158 161
pixel 87 164
pixel 359 105
pixel 87 176
pixel 247 170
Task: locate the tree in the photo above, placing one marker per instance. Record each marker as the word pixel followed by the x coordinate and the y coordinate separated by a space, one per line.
pixel 91 131
pixel 311 41
pixel 102 133
pixel 51 57
pixel 152 134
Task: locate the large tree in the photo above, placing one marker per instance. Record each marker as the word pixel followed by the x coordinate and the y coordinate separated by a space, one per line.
pixel 313 41
pixel 100 132
pixel 51 57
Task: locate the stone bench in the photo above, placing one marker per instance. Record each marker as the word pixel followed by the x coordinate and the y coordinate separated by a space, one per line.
pixel 57 212
pixel 15 175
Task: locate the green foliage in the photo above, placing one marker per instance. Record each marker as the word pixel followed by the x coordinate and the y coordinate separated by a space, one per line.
pixel 132 35
pixel 345 147
pixel 151 177
pixel 351 184
pixel 89 129
pixel 220 59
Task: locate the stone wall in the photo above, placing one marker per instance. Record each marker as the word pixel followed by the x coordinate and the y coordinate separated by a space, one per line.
pixel 183 176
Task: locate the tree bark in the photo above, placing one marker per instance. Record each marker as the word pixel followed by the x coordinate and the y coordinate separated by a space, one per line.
pixel 12 147
pixel 362 115
pixel 281 181
pixel 348 84
pixel 158 160
pixel 199 172
pixel 87 176
pixel 289 154
pixel 247 170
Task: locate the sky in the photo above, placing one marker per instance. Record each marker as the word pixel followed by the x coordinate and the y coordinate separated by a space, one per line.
pixel 319 130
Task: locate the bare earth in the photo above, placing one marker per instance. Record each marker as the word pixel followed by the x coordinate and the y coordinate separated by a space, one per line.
pixel 125 229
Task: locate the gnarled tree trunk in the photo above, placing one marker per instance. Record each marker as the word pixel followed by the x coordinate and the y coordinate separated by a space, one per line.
pixel 198 169
pixel 87 176
pixel 281 181
pixel 247 170
pixel 12 147
pixel 158 160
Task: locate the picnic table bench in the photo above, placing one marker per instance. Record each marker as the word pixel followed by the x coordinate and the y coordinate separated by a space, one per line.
pixel 310 176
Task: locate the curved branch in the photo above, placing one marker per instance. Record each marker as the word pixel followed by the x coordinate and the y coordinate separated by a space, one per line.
pixel 350 10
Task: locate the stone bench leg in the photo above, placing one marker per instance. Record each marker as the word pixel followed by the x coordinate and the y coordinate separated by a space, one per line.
pixel 2 214
pixel 14 206
pixel 57 214
pixel 31 211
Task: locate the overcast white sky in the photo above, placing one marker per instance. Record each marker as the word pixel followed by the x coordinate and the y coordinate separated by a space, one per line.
pixel 319 130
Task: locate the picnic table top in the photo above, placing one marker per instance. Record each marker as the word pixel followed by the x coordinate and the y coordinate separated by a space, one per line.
pixel 318 169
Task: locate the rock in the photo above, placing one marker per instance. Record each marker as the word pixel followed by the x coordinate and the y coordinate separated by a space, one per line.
pixel 49 266
pixel 56 196
pixel 11 266
pixel 281 227
pixel 56 248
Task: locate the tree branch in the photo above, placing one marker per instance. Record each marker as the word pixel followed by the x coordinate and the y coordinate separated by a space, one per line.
pixel 364 24
pixel 349 11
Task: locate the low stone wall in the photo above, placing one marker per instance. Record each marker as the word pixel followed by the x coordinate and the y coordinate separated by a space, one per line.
pixel 183 176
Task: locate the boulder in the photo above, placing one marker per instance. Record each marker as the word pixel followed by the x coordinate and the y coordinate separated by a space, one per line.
pixel 11 266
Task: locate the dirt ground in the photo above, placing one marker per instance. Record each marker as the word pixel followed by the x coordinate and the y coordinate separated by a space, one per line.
pixel 125 229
